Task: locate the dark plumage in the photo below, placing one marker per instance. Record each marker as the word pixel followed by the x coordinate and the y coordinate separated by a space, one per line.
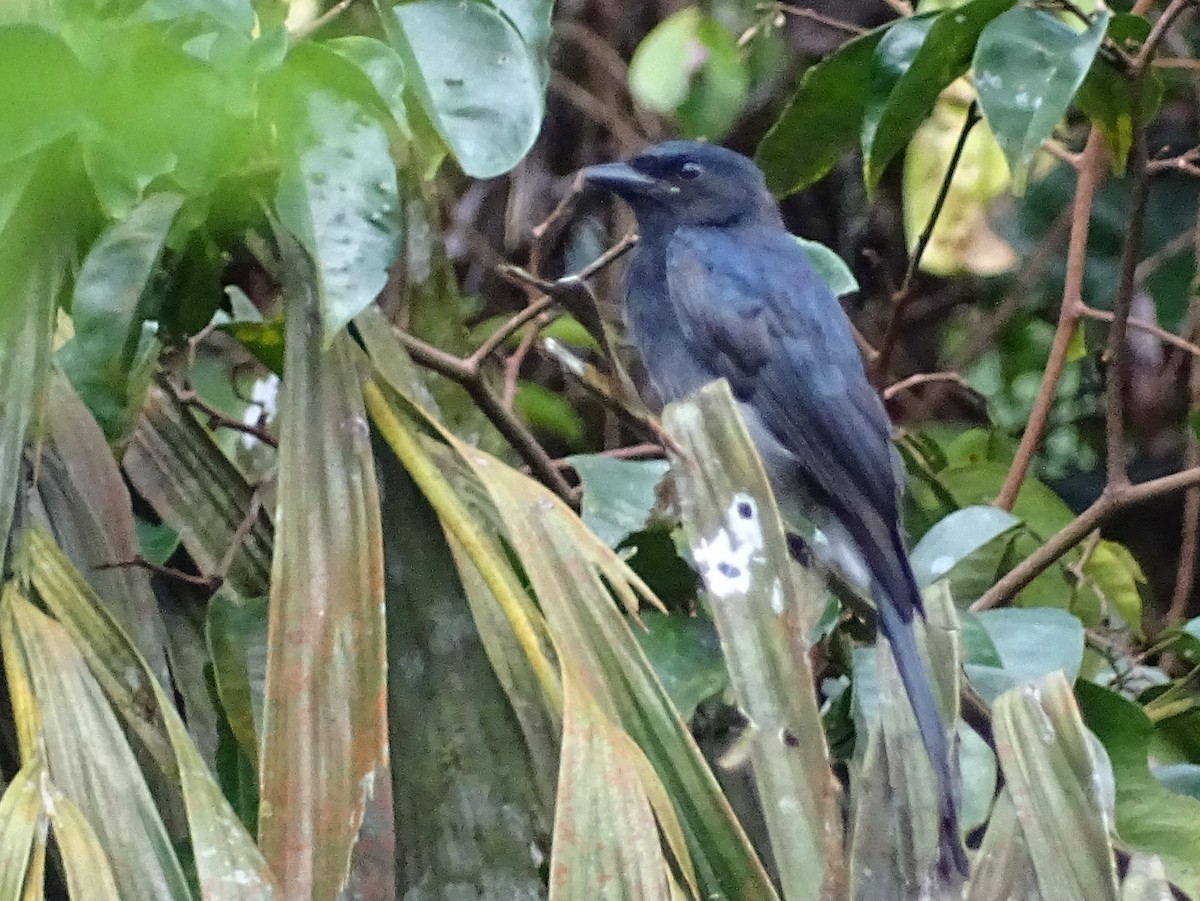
pixel 718 288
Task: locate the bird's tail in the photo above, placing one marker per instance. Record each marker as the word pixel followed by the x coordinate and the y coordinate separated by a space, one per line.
pixel 897 600
pixel 902 640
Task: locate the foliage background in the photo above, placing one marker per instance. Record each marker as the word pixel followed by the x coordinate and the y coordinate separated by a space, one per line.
pixel 344 633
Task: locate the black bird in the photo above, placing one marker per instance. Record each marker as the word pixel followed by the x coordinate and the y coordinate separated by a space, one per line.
pixel 718 288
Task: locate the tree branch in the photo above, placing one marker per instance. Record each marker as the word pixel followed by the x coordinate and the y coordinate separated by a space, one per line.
pixel 1092 163
pixel 1112 500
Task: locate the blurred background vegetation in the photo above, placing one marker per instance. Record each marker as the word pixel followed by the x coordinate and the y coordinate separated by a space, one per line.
pixel 341 558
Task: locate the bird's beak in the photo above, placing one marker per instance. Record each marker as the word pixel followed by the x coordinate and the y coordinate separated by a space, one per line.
pixel 618 178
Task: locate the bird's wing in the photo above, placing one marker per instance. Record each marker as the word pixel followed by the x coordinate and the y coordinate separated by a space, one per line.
pixel 751 306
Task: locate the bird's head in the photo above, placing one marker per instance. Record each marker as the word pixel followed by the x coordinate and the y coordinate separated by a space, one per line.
pixel 687 183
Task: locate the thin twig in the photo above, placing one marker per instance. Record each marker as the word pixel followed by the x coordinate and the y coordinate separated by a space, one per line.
pixel 1141 325
pixel 923 378
pixel 900 299
pixel 215 419
pixel 165 571
pixel 1112 500
pixel 306 31
pixel 813 16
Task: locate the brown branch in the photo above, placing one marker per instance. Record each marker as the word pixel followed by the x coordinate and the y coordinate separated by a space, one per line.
pixel 215 419
pixel 1142 326
pixel 1112 500
pixel 1189 539
pixel 923 378
pixel 1092 164
pixel 828 21
pixel 167 572
pixel 900 299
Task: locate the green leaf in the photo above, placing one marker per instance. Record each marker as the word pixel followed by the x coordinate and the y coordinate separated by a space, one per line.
pixel 686 655
pixel 338 196
pixel 477 80
pixel 383 68
pixel 1056 774
pixel 1032 642
pixel 956 537
pixel 618 495
pixel 236 632
pixel 157 542
pixel 41 85
pixel 324 727
pixel 532 19
pixel 1148 816
pixel 549 411
pixel 111 357
pixel 1105 96
pixel 1028 65
pixel 1116 576
pixel 830 267
pixel 763 606
pixel 1179 778
pixel 689 66
pixel 822 119
pixel 915 61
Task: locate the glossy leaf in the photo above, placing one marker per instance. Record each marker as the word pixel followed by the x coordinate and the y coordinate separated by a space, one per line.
pixel 338 196
pixel 764 608
pixel 690 66
pixel 1149 817
pixel 618 495
pixel 111 357
pixel 956 537
pixel 916 59
pixel 1033 642
pixel 177 467
pixel 324 728
pixel 477 80
pixel 1028 65
pixel 822 118
pixel 1052 768
pixel 829 266
pixel 105 783
pixel 686 655
pixel 381 65
pixel 532 19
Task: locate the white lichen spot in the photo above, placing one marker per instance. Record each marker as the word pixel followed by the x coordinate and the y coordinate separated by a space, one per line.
pixel 726 556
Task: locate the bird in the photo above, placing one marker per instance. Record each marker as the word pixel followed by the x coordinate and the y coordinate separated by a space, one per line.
pixel 718 288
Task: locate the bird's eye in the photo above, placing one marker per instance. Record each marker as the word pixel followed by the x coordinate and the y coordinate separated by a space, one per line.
pixel 690 171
